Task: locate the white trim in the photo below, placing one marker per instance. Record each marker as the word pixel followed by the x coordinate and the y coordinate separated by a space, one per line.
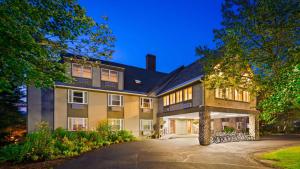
pixel 82 67
pixel 120 120
pixel 121 100
pixel 71 96
pixel 146 120
pixel 70 125
pixel 109 75
pixel 142 103
pixel 100 90
pixel 182 85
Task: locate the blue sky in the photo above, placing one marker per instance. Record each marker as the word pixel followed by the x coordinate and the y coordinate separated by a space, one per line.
pixel 169 29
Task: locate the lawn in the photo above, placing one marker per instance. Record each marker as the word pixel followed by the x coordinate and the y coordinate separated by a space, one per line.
pixel 288 158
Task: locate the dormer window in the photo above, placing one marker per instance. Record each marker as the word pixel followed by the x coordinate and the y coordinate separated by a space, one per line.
pixel 109 75
pixel 83 71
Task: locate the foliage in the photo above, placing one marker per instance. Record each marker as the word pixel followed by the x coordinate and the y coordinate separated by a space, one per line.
pixel 257 49
pixel 34 34
pixel 228 129
pixel 45 145
pixel 11 118
pixel 285 157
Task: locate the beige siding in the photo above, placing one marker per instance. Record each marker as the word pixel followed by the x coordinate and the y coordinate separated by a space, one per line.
pixel 60 108
pixel 210 100
pixel 131 114
pixel 97 108
pixel 155 111
pixel 160 105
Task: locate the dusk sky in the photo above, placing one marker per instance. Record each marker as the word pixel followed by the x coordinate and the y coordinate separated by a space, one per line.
pixel 169 29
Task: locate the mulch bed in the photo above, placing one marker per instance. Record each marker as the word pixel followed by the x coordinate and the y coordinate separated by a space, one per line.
pixel 35 165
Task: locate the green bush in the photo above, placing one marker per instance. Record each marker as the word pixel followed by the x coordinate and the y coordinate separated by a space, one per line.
pixel 43 144
pixel 228 129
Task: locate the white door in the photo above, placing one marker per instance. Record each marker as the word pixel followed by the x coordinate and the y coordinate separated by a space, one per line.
pixel 181 127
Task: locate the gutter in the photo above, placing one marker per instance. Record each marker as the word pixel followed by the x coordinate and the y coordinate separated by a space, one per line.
pixel 182 85
pixel 101 90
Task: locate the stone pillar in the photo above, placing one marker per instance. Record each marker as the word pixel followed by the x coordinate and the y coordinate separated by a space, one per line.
pixel 254 126
pixel 204 128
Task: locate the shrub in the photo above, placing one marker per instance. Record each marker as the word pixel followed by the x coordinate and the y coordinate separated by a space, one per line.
pixel 228 129
pixel 43 144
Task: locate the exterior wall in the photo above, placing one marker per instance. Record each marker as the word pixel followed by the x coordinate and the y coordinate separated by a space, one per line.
pixel 121 80
pixel 96 77
pixel 97 109
pixel 48 106
pixel 34 107
pixel 210 100
pixel 197 95
pixel 131 114
pixel 60 107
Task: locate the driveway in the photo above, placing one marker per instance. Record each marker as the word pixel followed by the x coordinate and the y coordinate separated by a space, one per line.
pixel 179 153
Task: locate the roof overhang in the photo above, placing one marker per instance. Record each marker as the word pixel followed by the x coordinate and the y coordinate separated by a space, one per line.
pixel 198 78
pixel 101 90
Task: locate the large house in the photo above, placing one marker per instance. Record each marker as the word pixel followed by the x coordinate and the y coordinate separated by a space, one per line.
pixel 141 100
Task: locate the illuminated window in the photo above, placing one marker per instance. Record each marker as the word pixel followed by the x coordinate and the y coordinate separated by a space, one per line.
pixel 116 124
pixel 190 93
pixel 146 103
pixel 166 100
pixel 238 95
pixel 172 98
pixel 109 75
pixel 219 93
pixel 246 96
pixel 179 96
pixel 76 124
pixel 229 94
pixel 81 71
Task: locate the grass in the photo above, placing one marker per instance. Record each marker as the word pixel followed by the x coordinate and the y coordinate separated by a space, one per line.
pixel 288 158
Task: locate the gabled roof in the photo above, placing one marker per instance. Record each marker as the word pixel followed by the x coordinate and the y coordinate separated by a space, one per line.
pixel 189 73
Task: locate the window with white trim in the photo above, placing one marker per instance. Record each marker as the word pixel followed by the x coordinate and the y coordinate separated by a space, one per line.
pixel 179 96
pixel 115 100
pixel 172 98
pixel 83 71
pixel 109 75
pixel 232 94
pixel 77 96
pixel 77 124
pixel 116 124
pixel 146 103
pixel 239 125
pixel 146 125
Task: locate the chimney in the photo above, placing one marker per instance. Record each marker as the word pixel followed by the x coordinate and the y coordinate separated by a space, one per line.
pixel 150 62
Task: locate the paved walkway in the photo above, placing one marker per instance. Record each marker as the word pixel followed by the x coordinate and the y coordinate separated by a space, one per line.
pixel 180 153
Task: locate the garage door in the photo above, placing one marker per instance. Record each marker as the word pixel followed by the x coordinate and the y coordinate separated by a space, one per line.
pixel 181 127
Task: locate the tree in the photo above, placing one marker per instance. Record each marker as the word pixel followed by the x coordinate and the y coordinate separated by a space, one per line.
pixel 259 39
pixel 34 34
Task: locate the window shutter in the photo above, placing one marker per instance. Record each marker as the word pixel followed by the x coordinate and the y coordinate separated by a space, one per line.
pixel 109 99
pixel 70 96
pixel 121 100
pixel 85 97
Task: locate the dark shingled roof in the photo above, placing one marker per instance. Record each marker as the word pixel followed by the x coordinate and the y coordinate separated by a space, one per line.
pixel 153 81
pixel 186 74
pixel 149 79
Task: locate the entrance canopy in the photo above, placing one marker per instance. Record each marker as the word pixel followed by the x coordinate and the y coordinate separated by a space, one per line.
pixel 213 115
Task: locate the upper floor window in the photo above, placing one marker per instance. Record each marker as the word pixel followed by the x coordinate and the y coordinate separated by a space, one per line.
pixel 232 94
pixel 115 100
pixel 146 103
pixel 77 96
pixel 81 71
pixel 179 96
pixel 172 98
pixel 109 75
pixel 188 93
pixel 166 100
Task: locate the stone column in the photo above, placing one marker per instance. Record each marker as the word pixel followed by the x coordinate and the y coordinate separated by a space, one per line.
pixel 204 128
pixel 254 126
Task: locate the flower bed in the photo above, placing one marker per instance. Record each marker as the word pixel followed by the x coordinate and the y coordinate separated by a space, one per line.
pixel 43 144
